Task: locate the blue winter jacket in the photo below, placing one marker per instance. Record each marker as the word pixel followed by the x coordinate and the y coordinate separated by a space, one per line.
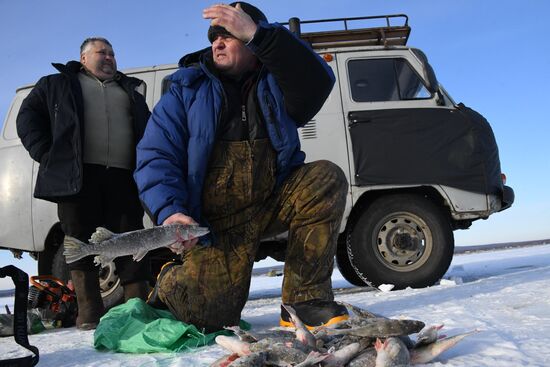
pixel 173 155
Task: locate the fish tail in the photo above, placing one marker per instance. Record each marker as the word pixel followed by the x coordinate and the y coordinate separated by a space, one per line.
pixel 427 353
pixel 74 249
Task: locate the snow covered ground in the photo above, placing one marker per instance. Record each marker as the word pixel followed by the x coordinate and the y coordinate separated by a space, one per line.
pixel 505 294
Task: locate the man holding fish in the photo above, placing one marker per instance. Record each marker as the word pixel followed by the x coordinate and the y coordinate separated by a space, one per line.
pixel 221 149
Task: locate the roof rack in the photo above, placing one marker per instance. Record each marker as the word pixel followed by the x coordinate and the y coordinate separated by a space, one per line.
pixel 390 35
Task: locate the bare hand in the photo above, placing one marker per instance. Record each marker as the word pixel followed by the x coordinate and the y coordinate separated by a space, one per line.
pixel 179 247
pixel 234 19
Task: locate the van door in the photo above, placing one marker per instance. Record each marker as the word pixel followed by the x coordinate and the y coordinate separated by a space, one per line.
pixel 15 184
pixel 398 132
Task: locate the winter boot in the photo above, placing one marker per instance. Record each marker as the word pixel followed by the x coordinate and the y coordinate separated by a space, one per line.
pixel 138 289
pixel 88 299
pixel 153 299
pixel 315 313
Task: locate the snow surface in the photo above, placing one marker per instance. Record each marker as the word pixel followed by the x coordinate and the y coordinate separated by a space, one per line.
pixel 505 294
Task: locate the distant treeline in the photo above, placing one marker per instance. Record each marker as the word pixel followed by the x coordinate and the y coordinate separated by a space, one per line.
pixel 7 292
pixel 499 246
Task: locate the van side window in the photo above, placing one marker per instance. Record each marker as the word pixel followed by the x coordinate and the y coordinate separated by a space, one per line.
pixel 381 80
pixel 165 87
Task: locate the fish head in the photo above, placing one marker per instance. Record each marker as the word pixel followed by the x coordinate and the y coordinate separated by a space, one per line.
pixel 429 334
pixel 233 345
pixel 185 232
pixel 292 313
pixel 391 346
pixel 379 345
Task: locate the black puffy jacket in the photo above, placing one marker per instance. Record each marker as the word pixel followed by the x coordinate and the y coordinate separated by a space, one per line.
pixel 50 126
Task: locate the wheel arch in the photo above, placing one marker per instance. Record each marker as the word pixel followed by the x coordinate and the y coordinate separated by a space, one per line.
pixel 368 197
pixel 53 240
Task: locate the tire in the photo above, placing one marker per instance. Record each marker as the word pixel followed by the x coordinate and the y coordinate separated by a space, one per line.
pixel 405 240
pixel 45 258
pixel 344 265
pixel 111 290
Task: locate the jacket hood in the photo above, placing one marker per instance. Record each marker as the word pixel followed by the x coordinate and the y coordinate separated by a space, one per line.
pixel 192 66
pixel 72 67
pixel 193 58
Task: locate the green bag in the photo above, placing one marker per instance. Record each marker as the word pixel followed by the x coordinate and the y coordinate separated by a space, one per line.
pixel 136 327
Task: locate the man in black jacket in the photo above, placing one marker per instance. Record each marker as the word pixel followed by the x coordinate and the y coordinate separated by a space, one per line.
pixel 82 125
pixel 222 149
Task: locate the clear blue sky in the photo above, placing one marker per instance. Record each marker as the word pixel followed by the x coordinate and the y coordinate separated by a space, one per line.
pixel 493 55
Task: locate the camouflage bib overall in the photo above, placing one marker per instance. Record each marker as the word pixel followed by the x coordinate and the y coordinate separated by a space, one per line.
pixel 211 288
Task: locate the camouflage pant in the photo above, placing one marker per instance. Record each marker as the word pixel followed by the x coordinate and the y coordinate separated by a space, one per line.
pixel 211 288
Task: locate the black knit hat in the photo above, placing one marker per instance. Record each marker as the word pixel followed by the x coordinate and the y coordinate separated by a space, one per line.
pixel 254 13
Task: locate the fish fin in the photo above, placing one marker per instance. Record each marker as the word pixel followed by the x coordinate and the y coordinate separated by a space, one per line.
pixel 101 234
pixel 315 357
pixel 74 249
pixel 102 260
pixel 140 255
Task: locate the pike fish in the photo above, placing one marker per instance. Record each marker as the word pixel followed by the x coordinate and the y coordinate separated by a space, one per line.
pixel 108 245
pixel 380 328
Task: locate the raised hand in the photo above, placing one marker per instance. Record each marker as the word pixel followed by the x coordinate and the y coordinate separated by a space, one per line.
pixel 234 19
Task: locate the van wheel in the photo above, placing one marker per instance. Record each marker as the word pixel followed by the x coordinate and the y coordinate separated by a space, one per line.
pixel 404 240
pixel 111 290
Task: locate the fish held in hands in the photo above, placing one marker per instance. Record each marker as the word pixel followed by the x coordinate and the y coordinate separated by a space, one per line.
pixel 108 245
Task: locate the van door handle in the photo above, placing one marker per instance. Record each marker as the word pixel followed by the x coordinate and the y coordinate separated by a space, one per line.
pixel 357 117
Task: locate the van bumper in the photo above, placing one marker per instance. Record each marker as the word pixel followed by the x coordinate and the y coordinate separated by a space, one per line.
pixel 508 197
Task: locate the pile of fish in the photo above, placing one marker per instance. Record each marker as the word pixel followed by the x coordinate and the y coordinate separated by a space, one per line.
pixel 364 340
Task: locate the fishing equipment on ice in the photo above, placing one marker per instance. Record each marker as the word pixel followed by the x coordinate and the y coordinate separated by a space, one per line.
pixel 55 299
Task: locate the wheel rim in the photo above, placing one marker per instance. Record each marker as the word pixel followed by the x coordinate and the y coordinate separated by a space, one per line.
pixel 108 279
pixel 403 242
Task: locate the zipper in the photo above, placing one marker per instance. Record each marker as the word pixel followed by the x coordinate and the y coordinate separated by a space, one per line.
pixel 243 113
pixel 104 94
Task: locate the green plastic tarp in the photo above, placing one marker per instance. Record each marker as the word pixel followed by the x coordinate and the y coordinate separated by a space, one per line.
pixel 136 327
